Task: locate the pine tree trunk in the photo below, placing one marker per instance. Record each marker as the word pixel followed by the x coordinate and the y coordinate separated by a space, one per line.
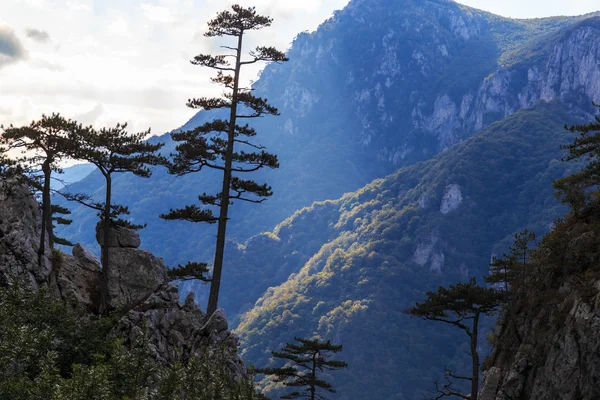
pixel 313 376
pixel 46 213
pixel 104 301
pixel 475 358
pixel 215 283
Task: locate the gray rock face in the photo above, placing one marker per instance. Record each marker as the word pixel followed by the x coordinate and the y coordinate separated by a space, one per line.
pixel 85 258
pixel 120 237
pixel 134 275
pixel 77 278
pixel 549 347
pixel 137 281
pixel 20 224
pixel 169 326
pixel 572 66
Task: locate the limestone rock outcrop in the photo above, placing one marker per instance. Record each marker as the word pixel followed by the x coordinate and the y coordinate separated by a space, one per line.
pixel 119 237
pixel 139 288
pixel 548 347
pixel 134 276
pixel 20 222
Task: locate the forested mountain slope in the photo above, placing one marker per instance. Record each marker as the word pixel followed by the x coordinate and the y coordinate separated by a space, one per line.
pixel 380 248
pixel 380 85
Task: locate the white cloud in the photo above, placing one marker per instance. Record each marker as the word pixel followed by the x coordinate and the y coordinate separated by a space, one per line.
pixel 114 61
pixel 157 13
pixel 119 27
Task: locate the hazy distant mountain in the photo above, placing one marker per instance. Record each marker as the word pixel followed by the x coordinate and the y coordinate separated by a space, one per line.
pixel 71 175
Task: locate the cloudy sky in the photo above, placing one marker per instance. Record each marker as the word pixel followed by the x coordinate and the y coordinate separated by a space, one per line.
pixel 108 61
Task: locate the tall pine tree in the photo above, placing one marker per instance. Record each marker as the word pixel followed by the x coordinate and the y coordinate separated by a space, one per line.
pixel 216 144
pixel 113 150
pixel 308 358
pixel 44 144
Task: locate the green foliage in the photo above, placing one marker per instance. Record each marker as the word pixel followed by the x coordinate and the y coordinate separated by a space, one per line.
pixel 510 270
pixel 354 257
pixel 188 272
pixel 57 211
pixel 458 303
pixel 307 359
pixel 580 190
pixel 44 144
pixel 50 351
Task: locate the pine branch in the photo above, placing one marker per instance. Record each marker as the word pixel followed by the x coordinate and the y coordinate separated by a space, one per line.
pixel 190 214
pixel 188 272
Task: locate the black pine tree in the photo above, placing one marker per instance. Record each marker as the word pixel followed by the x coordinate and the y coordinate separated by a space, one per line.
pixel 44 144
pixel 462 306
pixel 215 144
pixel 308 359
pixel 113 150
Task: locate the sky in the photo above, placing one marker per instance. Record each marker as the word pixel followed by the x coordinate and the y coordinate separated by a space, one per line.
pixel 106 61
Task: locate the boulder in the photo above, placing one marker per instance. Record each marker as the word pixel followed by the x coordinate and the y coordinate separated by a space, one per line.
pixel 134 275
pixel 77 278
pixel 120 237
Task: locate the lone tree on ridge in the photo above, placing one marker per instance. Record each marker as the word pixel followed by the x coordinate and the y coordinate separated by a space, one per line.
pixel 215 144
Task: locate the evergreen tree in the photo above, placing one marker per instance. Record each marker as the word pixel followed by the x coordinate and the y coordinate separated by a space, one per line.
pixel 514 264
pixel 44 144
pixel 309 358
pixel 580 190
pixel 58 213
pixel 215 144
pixel 113 150
pixel 12 173
pixel 462 306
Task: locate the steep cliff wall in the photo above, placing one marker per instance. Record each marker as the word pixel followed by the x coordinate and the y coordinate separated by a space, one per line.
pixel 547 344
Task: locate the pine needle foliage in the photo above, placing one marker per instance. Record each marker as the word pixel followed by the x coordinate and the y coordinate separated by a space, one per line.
pixel 113 150
pixel 43 144
pixel 580 190
pixel 225 144
pixel 308 358
pixel 461 305
pixel 58 213
pixel 512 267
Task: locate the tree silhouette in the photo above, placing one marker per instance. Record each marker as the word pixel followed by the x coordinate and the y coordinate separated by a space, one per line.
pixel 513 265
pixel 308 358
pixel 460 305
pixel 44 144
pixel 113 150
pixel 214 144
pixel 580 190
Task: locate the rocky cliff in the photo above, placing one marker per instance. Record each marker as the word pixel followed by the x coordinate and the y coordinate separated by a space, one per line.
pixel 546 346
pixel 139 288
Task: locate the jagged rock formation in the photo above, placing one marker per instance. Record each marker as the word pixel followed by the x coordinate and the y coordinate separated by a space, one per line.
pixel 547 346
pixel 120 237
pixel 138 286
pixel 20 222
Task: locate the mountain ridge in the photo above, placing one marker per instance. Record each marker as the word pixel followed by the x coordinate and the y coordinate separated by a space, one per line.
pixel 356 142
